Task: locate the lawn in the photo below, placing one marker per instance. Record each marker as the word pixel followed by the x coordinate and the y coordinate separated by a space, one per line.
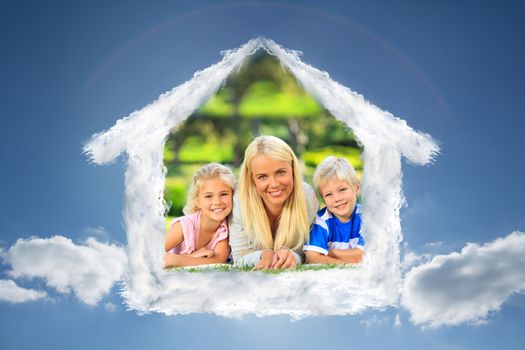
pixel 228 268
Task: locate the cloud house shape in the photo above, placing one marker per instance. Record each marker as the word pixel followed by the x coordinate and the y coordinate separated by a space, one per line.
pixel 141 135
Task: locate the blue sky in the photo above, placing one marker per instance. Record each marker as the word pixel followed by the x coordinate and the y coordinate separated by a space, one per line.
pixel 70 69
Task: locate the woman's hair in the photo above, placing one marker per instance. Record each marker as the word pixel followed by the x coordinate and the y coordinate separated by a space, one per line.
pixel 293 226
pixel 334 168
pixel 206 172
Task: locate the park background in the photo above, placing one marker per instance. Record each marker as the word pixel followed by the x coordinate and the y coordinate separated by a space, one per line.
pixel 262 98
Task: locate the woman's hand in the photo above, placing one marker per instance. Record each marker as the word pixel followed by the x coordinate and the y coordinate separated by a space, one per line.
pixel 266 261
pixel 283 259
pixel 202 253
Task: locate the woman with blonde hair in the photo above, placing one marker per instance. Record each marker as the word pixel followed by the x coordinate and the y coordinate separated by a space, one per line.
pixel 273 208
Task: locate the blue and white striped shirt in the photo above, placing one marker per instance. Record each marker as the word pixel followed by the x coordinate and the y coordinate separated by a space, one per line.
pixel 328 232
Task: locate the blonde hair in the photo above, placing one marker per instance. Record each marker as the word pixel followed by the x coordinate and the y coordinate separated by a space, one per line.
pixel 334 168
pixel 206 172
pixel 293 226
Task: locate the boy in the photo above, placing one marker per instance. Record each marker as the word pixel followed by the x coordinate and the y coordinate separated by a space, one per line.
pixel 335 236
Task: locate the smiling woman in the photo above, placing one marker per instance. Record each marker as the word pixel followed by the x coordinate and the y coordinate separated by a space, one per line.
pixel 273 209
pixel 262 98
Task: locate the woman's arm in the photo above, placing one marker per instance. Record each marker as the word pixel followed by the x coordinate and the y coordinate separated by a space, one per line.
pixel 312 203
pixel 312 206
pixel 174 236
pixel 266 260
pixel 243 251
pixel 284 258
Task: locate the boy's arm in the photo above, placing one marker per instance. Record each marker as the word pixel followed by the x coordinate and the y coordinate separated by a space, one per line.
pixel 316 249
pixel 221 252
pixel 318 258
pixel 174 236
pixel 351 255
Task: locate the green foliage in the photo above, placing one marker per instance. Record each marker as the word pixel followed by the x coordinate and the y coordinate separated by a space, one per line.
pixel 219 105
pixel 279 130
pixel 260 99
pixel 262 102
pixel 197 150
pixel 175 194
pixel 169 154
pixel 353 155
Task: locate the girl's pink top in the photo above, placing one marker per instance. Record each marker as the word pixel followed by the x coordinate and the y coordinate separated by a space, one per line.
pixel 190 230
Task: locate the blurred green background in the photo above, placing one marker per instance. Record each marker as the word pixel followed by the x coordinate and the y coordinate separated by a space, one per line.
pixel 260 99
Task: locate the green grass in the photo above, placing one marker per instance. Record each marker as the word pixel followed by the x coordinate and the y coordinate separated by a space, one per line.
pixel 227 268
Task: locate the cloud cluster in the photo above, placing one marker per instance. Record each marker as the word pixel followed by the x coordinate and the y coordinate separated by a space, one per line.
pixel 465 287
pixel 89 270
pixel 142 135
pixel 444 290
pixel 12 293
pixel 451 289
pixel 237 294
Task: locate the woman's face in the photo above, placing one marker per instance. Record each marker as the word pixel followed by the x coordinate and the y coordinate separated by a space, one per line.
pixel 273 180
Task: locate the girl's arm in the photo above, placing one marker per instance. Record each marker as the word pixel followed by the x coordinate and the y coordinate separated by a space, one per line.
pixel 221 253
pixel 351 255
pixel 174 236
pixel 318 258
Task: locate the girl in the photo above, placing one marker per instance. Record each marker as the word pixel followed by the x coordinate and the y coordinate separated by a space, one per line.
pixel 274 208
pixel 201 236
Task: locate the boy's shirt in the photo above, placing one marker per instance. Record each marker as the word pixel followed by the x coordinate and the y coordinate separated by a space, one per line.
pixel 328 232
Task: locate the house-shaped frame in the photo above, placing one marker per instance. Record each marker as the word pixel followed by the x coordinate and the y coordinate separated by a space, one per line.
pixel 142 134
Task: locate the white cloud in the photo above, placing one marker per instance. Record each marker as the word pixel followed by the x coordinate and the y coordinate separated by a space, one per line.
pixel 433 245
pixel 96 231
pixel 110 307
pixel 411 259
pixel 10 292
pixel 236 294
pixel 142 135
pixel 465 287
pixel 89 270
pixel 397 321
pixel 374 321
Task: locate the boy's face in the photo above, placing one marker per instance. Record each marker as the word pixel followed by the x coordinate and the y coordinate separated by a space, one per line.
pixel 339 197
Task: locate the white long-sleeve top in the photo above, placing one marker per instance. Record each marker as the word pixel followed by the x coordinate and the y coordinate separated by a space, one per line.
pixel 244 252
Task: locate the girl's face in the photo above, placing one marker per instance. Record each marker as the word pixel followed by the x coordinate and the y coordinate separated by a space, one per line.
pixel 273 180
pixel 214 199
